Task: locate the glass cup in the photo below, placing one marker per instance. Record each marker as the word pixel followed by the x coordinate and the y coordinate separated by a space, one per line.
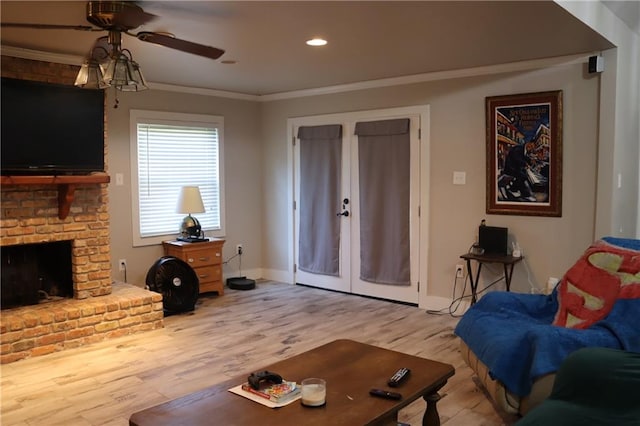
pixel 314 392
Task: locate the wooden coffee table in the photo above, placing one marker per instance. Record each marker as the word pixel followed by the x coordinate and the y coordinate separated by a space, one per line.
pixel 350 369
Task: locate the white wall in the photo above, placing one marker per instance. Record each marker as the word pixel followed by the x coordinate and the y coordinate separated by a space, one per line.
pixel 457 141
pixel 243 172
pixel 619 133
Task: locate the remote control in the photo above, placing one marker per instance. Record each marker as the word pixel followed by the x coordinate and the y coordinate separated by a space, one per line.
pixel 385 394
pixel 400 376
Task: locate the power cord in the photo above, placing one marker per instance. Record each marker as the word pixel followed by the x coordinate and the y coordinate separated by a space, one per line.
pixel 451 310
pixel 230 259
pixel 534 289
pixel 454 301
pixel 239 255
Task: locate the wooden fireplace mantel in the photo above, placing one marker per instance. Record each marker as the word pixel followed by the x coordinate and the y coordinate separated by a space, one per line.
pixel 66 186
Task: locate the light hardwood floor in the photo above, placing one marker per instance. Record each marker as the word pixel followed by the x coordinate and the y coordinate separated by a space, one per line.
pixel 242 331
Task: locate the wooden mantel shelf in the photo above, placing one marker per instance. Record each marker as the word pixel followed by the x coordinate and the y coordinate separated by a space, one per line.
pixel 66 186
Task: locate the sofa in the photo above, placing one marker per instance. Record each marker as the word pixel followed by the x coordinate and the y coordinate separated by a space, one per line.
pixel 607 395
pixel 515 343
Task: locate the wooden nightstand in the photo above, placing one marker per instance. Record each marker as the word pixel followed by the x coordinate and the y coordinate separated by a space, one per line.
pixel 204 257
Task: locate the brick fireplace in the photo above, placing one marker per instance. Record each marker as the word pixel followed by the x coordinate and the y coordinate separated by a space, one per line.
pixel 77 212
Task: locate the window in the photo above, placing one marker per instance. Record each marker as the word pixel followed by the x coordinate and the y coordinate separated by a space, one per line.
pixel 171 150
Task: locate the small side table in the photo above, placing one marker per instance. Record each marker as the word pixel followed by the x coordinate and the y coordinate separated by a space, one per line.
pixel 508 262
pixel 204 257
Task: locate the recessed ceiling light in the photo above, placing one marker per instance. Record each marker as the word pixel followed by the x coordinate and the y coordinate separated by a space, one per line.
pixel 316 42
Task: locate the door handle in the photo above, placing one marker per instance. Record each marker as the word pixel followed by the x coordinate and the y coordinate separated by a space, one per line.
pixel 344 213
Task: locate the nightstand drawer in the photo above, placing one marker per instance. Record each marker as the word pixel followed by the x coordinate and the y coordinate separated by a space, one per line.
pixel 209 273
pixel 203 257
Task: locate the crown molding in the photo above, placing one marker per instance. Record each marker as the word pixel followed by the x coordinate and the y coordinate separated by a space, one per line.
pixel 434 76
pixel 362 85
pixel 38 55
pixel 203 91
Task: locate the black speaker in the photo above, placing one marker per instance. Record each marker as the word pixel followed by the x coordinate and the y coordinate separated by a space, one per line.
pixel 493 239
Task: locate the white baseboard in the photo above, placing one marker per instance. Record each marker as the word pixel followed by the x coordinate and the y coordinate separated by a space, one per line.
pixel 278 275
pixel 436 303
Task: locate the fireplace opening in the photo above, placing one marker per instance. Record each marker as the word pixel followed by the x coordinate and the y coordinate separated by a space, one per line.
pixel 36 273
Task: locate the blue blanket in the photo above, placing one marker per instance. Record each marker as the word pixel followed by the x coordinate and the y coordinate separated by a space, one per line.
pixel 512 334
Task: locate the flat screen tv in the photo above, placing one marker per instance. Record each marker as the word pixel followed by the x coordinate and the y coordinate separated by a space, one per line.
pixel 50 129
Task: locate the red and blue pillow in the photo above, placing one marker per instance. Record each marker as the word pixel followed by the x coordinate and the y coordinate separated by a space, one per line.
pixel 604 273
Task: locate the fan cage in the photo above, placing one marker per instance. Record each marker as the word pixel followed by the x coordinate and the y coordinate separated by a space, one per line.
pixel 178 283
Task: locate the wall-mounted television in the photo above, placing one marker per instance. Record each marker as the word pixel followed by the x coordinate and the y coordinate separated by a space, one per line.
pixel 50 129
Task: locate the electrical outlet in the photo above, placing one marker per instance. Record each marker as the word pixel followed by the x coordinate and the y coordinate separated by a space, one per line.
pixel 122 265
pixel 459 270
pixel 239 249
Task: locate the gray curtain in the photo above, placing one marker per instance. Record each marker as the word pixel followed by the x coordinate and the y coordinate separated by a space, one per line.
pixel 383 158
pixel 320 199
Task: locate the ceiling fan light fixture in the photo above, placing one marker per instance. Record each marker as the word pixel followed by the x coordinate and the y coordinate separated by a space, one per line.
pixel 90 76
pixel 116 70
pixel 137 82
pixel 123 73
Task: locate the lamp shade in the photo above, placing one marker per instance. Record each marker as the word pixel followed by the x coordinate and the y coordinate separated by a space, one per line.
pixel 123 73
pixel 137 82
pixel 190 200
pixel 90 76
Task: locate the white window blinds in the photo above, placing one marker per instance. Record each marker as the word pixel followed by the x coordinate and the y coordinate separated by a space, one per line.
pixel 170 156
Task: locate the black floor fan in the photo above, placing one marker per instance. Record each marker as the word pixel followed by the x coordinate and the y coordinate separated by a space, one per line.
pixel 176 281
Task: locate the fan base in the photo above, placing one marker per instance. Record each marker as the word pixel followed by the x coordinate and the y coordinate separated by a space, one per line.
pixel 241 283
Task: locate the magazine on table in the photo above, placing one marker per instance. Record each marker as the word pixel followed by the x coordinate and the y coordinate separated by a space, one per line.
pixel 272 395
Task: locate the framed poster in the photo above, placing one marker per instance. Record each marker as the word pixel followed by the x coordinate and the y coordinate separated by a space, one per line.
pixel 524 154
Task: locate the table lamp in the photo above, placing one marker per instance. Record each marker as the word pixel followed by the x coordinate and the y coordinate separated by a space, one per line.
pixel 190 201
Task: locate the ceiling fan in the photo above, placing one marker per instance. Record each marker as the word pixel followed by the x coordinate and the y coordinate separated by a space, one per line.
pixel 108 64
pixel 119 17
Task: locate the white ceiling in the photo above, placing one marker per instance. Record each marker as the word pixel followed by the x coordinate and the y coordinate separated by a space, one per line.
pixel 367 40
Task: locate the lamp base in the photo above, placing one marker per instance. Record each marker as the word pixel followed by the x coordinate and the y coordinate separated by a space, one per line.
pixel 190 230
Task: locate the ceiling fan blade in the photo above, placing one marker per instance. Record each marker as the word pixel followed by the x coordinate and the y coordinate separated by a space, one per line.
pixel 182 45
pixel 49 26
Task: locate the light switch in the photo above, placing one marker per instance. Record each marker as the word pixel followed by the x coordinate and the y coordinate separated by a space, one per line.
pixel 119 179
pixel 459 178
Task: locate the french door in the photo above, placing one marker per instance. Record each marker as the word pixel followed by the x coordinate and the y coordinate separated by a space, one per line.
pixel 357 201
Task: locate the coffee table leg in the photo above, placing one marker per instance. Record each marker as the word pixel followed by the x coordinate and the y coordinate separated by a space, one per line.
pixel 431 416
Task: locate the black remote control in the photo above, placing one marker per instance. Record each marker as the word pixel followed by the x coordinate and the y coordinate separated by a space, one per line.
pixel 385 394
pixel 400 376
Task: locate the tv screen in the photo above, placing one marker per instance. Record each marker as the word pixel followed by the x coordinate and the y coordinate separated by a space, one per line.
pixel 50 129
